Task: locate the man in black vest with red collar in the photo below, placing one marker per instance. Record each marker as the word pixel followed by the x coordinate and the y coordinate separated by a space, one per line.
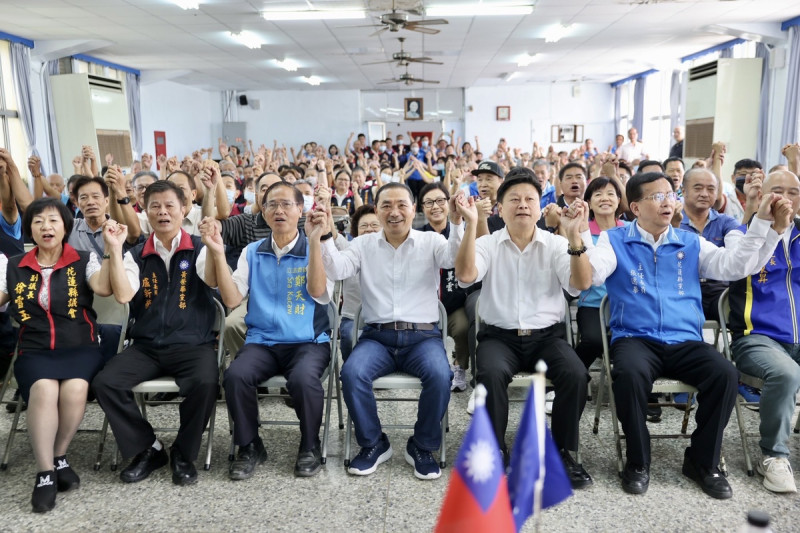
pixel 173 313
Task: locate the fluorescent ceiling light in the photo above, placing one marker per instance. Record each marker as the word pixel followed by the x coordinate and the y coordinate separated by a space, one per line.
pixel 247 38
pixel 557 32
pixel 312 80
pixel 315 14
pixel 477 10
pixel 510 75
pixel 287 64
pixel 187 4
pixel 526 59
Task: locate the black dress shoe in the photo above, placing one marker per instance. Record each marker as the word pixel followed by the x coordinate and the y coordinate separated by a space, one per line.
pixel 654 413
pixel 163 397
pixel 710 480
pixel 578 477
pixel 249 456
pixel 288 400
pixel 308 462
pixel 66 477
pixel 144 464
pixel 635 478
pixel 183 470
pixel 44 492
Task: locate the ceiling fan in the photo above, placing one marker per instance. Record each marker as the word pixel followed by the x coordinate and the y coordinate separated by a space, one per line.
pixel 397 20
pixel 406 79
pixel 403 58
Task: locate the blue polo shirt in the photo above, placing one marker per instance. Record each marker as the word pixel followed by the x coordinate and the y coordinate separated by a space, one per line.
pixel 717 226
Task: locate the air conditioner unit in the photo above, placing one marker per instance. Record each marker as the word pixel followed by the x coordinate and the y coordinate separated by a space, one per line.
pixel 91 110
pixel 722 102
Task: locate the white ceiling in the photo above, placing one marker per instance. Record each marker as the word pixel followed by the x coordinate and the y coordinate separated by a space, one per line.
pixel 612 39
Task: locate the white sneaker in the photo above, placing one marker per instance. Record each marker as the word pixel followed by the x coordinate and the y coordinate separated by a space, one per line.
pixel 548 402
pixel 459 383
pixel 471 403
pixel 778 475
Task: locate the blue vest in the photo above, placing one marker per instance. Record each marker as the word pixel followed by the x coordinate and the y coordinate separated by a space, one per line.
pixel 280 310
pixel 655 295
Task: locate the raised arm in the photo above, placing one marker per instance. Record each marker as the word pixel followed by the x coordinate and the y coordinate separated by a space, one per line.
pixel 466 271
pixel 10 213
pixel 22 195
pixel 122 213
pixel 573 220
pixel 216 272
pixel 112 277
pixel 316 227
pixel 792 154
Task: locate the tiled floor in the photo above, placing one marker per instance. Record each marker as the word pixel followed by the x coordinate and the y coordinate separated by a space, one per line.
pixel 389 500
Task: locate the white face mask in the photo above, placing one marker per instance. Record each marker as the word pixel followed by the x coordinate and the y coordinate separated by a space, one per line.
pixel 308 203
pixel 414 150
pixel 382 148
pixel 385 176
pixel 230 194
pixel 250 196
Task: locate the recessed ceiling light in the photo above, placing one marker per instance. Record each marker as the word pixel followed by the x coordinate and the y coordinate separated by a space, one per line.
pixel 526 59
pixel 557 32
pixel 187 4
pixel 247 38
pixel 315 14
pixel 312 80
pixel 477 10
pixel 287 64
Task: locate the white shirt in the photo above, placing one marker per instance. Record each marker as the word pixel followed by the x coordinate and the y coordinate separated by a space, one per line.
pixel 132 269
pixel 190 223
pixel 241 276
pixel 522 289
pixel 732 206
pixel 399 284
pixel 630 152
pixel 743 254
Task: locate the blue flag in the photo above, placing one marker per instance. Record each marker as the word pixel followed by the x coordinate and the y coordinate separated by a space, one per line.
pixel 537 478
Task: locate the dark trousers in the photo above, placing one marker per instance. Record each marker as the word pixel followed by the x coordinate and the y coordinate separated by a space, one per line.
pixel 502 354
pixel 195 371
pixel 302 364
pixel 591 345
pixel 637 364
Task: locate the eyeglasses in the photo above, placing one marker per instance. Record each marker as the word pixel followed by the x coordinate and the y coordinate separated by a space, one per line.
pixel 439 201
pixel 284 205
pixel 661 196
pixel 374 225
pixel 140 188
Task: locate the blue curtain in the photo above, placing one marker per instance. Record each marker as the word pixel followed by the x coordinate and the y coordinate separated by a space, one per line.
pixel 791 112
pixel 638 104
pixel 134 112
pixel 762 51
pixel 21 66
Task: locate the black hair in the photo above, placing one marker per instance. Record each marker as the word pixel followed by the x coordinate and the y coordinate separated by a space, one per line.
pixel 633 189
pixel 569 166
pixel 394 185
pixel 163 186
pixel 670 160
pixel 366 209
pixel 85 180
pixel 267 173
pixel 595 185
pixel 333 146
pixel 143 173
pixel 624 164
pixel 435 185
pixel 518 179
pixel 746 163
pixel 343 171
pixel 298 194
pixel 651 162
pixel 38 206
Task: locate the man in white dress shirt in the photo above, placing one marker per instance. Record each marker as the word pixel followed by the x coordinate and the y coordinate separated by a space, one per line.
pixel 524 270
pixel 399 269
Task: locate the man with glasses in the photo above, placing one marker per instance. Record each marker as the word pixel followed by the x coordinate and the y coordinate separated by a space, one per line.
pixel 288 330
pixel 652 272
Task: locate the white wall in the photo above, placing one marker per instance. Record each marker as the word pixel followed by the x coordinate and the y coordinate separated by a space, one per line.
pixel 191 118
pixel 296 117
pixel 534 108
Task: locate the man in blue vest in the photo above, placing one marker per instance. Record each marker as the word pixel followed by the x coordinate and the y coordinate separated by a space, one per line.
pixel 764 323
pixel 287 327
pixel 651 272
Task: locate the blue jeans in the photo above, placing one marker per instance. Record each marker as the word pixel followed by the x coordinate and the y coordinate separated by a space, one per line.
pixel 777 365
pixel 378 353
pixel 346 337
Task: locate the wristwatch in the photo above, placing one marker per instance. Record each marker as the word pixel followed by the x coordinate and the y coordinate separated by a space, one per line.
pixel 326 236
pixel 124 201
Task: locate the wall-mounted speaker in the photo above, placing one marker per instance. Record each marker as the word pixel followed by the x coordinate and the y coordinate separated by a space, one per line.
pixel 242 99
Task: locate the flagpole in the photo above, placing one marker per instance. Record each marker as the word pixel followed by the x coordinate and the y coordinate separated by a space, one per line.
pixel 539 383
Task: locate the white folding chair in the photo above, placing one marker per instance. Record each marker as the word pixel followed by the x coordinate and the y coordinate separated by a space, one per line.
pixel 398 380
pixel 108 312
pixel 330 378
pixel 167 384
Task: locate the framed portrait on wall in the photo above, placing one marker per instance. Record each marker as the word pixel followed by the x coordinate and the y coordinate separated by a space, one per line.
pixel 413 109
pixel 503 112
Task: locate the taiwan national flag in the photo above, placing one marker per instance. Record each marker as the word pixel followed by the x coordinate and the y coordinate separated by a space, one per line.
pixel 477 497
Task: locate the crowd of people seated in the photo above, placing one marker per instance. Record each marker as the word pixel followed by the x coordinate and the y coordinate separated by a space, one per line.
pixel 507 235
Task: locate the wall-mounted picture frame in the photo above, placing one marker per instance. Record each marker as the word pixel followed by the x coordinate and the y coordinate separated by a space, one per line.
pixel 504 112
pixel 413 109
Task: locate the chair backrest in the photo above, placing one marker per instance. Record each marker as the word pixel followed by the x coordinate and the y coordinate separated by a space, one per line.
pixel 110 311
pixel 358 323
pixel 724 308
